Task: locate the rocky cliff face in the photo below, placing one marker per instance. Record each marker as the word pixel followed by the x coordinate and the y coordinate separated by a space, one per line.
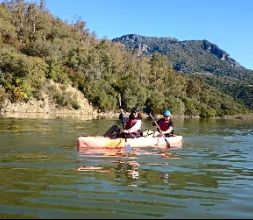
pixel 220 54
pixel 47 108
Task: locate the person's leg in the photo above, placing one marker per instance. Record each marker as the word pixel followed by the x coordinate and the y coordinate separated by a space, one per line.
pixel 110 131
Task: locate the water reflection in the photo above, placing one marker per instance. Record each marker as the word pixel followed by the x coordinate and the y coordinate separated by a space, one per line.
pixel 130 168
pixel 127 163
pixel 138 167
pixel 124 162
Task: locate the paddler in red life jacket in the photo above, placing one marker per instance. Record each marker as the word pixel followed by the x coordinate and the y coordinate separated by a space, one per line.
pixel 166 125
pixel 132 124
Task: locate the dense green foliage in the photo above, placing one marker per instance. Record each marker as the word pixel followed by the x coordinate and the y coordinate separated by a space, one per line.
pixel 37 48
pixel 198 57
pixel 240 90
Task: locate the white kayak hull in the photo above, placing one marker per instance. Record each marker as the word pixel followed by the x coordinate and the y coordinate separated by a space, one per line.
pixel 105 142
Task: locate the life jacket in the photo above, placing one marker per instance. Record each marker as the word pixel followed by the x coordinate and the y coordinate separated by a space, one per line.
pixel 130 123
pixel 164 125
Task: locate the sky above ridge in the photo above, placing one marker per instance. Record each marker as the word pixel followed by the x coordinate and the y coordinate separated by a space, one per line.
pixel 226 23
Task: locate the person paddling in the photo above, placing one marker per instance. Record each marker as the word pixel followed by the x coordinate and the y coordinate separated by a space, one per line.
pixel 132 124
pixel 166 125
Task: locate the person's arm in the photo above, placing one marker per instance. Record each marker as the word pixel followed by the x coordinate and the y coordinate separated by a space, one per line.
pixel 169 130
pixel 135 128
pixel 123 119
pixel 121 115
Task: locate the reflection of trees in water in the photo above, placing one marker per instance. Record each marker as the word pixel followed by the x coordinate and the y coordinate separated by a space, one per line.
pixel 153 173
pixel 182 180
pixel 130 168
pixel 127 164
pixel 160 173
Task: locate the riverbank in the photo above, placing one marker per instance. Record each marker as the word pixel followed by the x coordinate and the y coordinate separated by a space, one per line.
pixel 89 115
pixel 240 116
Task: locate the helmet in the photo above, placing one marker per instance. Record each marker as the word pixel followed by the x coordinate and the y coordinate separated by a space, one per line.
pixel 135 109
pixel 166 113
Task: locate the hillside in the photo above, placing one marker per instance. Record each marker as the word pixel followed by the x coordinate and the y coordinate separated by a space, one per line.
pixel 42 57
pixel 192 56
pixel 199 57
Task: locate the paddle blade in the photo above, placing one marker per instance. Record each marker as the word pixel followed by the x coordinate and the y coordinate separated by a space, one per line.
pixel 128 148
pixel 167 143
pixel 147 110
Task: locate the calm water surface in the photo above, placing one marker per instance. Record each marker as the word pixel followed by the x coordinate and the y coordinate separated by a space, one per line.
pixel 41 173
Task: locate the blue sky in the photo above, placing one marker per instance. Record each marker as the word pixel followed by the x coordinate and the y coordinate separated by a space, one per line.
pixel 227 23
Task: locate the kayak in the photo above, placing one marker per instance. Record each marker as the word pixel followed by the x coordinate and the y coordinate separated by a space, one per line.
pixel 149 141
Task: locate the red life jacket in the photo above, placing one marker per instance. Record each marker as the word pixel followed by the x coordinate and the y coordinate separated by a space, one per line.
pixel 164 125
pixel 130 123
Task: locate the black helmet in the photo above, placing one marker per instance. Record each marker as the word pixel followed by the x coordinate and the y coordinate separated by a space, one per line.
pixel 135 109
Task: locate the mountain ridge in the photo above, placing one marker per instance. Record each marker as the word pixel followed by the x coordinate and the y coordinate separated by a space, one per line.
pixel 189 56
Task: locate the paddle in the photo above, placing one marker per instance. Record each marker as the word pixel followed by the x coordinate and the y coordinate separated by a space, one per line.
pixel 114 131
pixel 149 112
pixel 121 117
pixel 127 146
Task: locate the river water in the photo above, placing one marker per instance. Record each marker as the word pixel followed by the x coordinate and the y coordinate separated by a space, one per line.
pixel 42 175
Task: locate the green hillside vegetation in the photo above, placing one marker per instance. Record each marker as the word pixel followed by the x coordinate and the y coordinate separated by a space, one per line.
pixel 190 56
pixel 37 47
pixel 240 90
pixel 200 57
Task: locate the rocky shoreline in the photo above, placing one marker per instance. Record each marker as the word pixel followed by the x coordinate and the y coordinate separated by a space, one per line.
pixel 89 115
pixel 35 109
